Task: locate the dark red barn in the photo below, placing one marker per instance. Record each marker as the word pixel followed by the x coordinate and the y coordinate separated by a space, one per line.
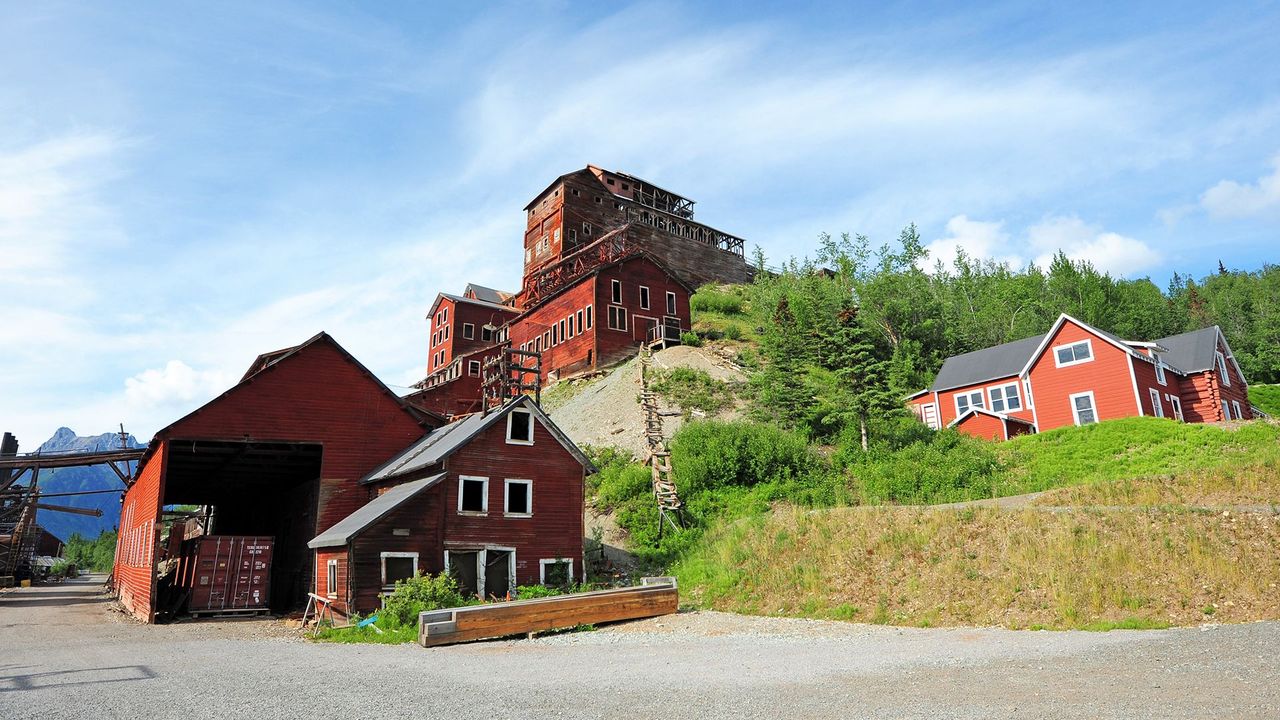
pixel 495 498
pixel 280 454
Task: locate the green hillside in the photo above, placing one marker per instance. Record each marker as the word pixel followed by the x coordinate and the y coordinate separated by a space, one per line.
pixel 1266 398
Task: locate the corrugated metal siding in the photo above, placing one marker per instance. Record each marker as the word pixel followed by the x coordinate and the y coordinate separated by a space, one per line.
pixel 133 574
pixel 1107 376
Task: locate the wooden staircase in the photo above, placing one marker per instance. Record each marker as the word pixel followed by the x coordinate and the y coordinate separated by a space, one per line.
pixel 670 507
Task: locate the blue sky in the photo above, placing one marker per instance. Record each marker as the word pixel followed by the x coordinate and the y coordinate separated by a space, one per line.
pixel 183 186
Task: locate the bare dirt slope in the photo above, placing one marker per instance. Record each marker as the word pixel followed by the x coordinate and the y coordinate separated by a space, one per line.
pixel 605 410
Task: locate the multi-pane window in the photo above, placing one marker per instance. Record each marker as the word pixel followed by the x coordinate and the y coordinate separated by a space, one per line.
pixel 1223 376
pixel 1005 398
pixel 1160 378
pixel 1074 353
pixel 1082 408
pixel 617 318
pixel 1156 408
pixel 965 401
pixel 1236 405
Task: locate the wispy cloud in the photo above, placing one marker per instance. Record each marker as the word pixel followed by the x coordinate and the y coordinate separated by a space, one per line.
pixel 1230 199
pixel 1107 251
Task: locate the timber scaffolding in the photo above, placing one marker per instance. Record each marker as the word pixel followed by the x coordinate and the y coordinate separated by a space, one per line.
pixel 504 376
pixel 609 248
pixel 670 507
pixel 19 503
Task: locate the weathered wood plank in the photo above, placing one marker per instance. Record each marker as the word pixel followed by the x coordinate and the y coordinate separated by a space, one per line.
pixel 482 622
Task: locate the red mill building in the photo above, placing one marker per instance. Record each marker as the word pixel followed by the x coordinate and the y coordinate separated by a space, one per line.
pixel 609 260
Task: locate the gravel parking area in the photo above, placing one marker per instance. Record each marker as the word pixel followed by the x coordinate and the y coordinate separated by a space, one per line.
pixel 66 654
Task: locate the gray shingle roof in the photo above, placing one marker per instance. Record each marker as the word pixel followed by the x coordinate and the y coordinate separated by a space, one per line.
pixel 988 364
pixel 370 513
pixel 443 442
pixel 1191 351
pixel 482 303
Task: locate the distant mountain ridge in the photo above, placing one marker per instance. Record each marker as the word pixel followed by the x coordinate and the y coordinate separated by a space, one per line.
pixel 74 479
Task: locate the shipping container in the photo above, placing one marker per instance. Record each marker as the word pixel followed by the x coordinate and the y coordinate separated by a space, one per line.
pixel 227 573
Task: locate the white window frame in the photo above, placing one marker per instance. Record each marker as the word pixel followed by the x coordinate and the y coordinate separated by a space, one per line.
pixel 1031 400
pixel 506 497
pixel 382 561
pixel 1156 406
pixel 671 303
pixel 511 415
pixel 1004 398
pixel 1226 410
pixel 1176 403
pixel 644 297
pixel 1086 342
pixel 1235 407
pixel 1075 411
pixel 615 292
pixel 589 318
pixel 484 495
pixel 468 331
pixel 621 312
pixel 542 568
pixel 331 579
pixel 473 368
pixel 1222 368
pixel 982 401
pixel 482 562
pixel 1160 376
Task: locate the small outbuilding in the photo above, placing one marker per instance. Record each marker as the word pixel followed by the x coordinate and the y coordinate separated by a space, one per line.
pixel 495 498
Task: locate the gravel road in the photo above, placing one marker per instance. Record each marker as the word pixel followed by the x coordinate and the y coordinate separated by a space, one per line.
pixel 65 654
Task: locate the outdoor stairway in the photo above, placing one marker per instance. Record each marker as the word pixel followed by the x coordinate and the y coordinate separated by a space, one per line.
pixel 659 457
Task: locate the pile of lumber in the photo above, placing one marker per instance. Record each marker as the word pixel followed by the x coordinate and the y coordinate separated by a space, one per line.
pixel 657 596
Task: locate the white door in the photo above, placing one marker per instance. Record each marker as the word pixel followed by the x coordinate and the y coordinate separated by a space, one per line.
pixel 931 415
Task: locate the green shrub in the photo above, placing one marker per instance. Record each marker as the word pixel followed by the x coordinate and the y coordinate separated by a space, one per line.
pixel 733 331
pixel 63 568
pixel 692 389
pixel 419 594
pixel 691 339
pixel 711 299
pixel 711 454
pixel 944 467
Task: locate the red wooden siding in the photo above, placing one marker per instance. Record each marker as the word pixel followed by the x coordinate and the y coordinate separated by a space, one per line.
pixel 1107 376
pixel 315 396
pixel 133 575
pixel 555 528
pixel 947 399
pixel 1238 390
pixel 982 425
pixel 339 593
pixel 564 354
pixel 448 338
pixel 613 345
pixel 421 517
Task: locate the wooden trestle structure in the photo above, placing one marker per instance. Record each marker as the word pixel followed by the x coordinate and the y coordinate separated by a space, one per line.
pixel 504 376
pixel 670 507
pixel 19 503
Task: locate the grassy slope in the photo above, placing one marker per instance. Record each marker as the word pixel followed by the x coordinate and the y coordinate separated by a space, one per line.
pixel 1027 568
pixel 1130 448
pixel 1266 398
pixel 1151 566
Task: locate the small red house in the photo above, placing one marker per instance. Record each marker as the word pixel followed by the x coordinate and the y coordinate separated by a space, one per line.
pixel 280 454
pixel 494 498
pixel 1076 374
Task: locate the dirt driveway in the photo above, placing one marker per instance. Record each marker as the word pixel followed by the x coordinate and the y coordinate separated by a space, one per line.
pixel 64 654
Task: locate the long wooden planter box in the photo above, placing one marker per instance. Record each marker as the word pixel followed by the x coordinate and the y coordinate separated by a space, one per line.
pixel 658 596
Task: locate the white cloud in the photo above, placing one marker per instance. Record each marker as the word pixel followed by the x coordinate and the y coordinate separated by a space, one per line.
pixel 175 384
pixel 1107 251
pixel 985 240
pixel 978 239
pixel 1230 199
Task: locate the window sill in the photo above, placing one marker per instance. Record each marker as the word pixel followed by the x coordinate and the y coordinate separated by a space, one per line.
pixel 517 515
pixel 519 442
pixel 474 513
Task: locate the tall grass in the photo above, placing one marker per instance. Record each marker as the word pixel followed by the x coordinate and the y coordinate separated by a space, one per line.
pixel 1266 398
pixel 1020 569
